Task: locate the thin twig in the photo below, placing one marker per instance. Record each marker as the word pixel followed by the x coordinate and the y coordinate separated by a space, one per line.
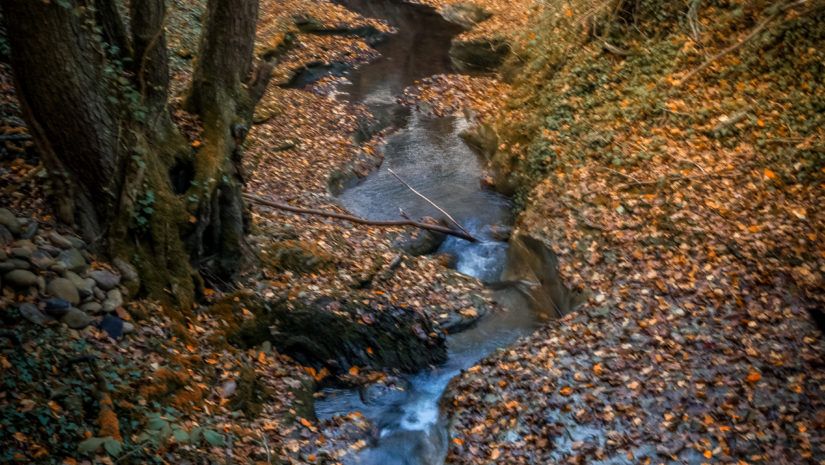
pixel 354 219
pixel 626 176
pixel 266 448
pixel 429 201
pixel 759 28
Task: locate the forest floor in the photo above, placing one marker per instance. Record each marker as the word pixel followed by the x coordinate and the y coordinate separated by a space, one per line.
pixel 699 250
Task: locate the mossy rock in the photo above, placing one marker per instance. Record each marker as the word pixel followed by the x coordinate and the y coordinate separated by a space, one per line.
pixel 483 54
pixel 298 256
pixel 341 334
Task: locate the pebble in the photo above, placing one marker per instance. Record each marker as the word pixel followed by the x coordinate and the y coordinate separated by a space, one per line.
pixel 59 240
pixel 50 249
pixel 76 319
pixel 6 266
pixel 73 260
pixel 63 288
pixel 21 252
pixel 128 327
pixel 6 237
pixel 20 278
pixel 41 259
pixel 56 307
pixel 112 325
pixel 10 221
pixel 92 307
pixel 84 285
pixel 33 314
pixel 114 299
pixel 105 279
pixel 76 243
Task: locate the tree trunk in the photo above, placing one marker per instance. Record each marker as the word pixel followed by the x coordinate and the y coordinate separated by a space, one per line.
pixel 133 180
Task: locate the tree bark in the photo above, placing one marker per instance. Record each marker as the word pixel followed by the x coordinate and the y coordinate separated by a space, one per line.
pixel 150 57
pixel 59 79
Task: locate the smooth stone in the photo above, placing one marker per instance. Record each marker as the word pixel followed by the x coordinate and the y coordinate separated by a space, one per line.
pixel 59 240
pixel 128 327
pixel 20 264
pixel 112 325
pixel 74 260
pixel 21 252
pixel 114 299
pixel 41 259
pixel 30 229
pixel 20 278
pixel 58 267
pixel 105 279
pixel 76 319
pixel 56 307
pixel 10 221
pixel 6 237
pixel 41 284
pixel 99 293
pixel 128 271
pixel 84 285
pixel 77 243
pixel 6 266
pixel 92 307
pixel 3 254
pixel 50 249
pixel 33 314
pixel 65 289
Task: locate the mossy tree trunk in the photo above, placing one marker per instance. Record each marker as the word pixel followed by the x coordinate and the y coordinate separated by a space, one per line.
pixel 128 179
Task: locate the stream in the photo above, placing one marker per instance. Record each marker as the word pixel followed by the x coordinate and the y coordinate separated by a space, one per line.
pixel 428 153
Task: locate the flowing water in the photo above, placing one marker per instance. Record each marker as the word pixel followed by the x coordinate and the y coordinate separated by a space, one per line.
pixel 428 153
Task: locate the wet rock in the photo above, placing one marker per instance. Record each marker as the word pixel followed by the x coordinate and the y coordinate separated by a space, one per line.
pixel 50 249
pixel 59 240
pixel 6 236
pixel 73 260
pixel 41 259
pixel 114 299
pixel 63 288
pixel 55 307
pixel 76 319
pixel 112 325
pixel 84 285
pixel 33 314
pixel 415 242
pixel 465 14
pixel 105 279
pixel 10 221
pixel 92 307
pixel 482 54
pixel 20 278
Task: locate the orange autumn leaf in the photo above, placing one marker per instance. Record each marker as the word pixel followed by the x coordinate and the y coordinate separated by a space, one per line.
pixel 306 423
pixel 597 369
pixel 770 174
pixel 753 377
pixel 566 391
pixel 196 143
pixel 354 370
pixel 458 441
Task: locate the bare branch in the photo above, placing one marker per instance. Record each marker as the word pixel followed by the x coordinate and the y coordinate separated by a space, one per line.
pixel 429 201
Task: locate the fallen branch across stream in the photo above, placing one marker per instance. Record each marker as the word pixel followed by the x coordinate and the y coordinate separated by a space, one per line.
pixel 354 219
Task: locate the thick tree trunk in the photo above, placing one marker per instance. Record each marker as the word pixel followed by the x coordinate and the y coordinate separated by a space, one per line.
pixel 160 204
pixel 60 82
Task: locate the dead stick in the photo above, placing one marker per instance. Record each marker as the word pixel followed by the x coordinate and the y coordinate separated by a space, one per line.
pixel 761 26
pixel 354 219
pixel 429 201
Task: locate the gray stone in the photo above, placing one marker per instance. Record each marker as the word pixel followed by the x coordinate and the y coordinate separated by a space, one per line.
pixel 59 240
pixel 33 314
pixel 92 307
pixel 84 286
pixel 6 237
pixel 128 327
pixel 77 243
pixel 6 266
pixel 129 273
pixel 63 288
pixel 20 278
pixel 41 259
pixel 114 299
pixel 99 293
pixel 30 229
pixel 73 260
pixel 21 252
pixel 50 249
pixel 76 319
pixel 20 264
pixel 105 279
pixel 10 221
